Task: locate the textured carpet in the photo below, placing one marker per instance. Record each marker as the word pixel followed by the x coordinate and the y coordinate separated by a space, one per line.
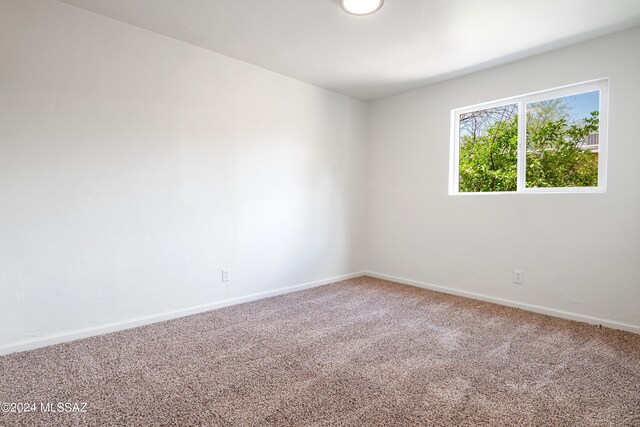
pixel 359 352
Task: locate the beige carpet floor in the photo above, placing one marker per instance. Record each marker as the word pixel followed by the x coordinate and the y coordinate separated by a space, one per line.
pixel 362 352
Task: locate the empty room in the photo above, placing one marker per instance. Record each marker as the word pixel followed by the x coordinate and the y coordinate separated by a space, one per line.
pixel 319 213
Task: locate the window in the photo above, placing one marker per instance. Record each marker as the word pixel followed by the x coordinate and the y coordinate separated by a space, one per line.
pixel 551 141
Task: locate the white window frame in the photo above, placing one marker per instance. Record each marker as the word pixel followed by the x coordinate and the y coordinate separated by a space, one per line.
pixel 600 85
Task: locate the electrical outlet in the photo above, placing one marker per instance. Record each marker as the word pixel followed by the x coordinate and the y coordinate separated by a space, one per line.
pixel 518 276
pixel 226 274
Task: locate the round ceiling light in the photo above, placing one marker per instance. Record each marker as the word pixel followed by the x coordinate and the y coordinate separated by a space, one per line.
pixel 361 7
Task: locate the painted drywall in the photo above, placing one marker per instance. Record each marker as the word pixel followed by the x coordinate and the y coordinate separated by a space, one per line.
pixel 134 167
pixel 579 252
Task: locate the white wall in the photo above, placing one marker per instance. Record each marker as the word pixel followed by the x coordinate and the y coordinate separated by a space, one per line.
pixel 580 252
pixel 133 168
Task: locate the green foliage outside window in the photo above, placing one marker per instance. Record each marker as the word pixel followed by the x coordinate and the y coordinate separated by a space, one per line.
pixel 556 154
pixel 489 161
pixel 555 157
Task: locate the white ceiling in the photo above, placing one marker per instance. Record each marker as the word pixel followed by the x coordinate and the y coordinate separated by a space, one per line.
pixel 408 44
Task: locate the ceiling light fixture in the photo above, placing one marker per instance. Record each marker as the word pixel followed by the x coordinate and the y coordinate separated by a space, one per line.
pixel 361 7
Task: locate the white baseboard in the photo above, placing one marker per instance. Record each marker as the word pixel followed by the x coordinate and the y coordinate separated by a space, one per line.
pixel 61 337
pixel 66 336
pixel 510 303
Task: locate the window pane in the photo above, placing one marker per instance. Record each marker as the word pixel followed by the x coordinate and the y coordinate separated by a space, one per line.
pixel 489 149
pixel 562 141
